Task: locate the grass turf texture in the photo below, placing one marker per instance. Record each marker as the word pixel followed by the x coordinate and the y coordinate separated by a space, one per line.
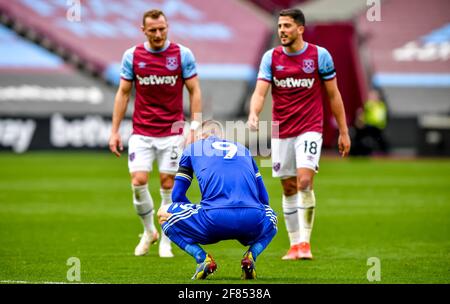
pixel 59 205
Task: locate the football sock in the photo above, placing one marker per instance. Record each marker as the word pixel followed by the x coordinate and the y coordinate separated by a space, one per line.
pixel 166 200
pixel 166 196
pixel 194 250
pixel 290 211
pixel 257 248
pixel 307 203
pixel 143 203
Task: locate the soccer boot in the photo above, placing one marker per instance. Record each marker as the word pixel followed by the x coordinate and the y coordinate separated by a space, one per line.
pixel 165 247
pixel 204 269
pixel 248 267
pixel 304 251
pixel 144 245
pixel 292 253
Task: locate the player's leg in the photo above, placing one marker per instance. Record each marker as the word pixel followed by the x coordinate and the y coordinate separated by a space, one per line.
pixel 187 229
pixel 169 151
pixel 308 148
pixel 283 166
pixel 290 210
pixel 268 226
pixel 140 158
pixel 167 181
pixel 307 203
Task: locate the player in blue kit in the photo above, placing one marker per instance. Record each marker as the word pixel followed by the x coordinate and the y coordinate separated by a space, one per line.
pixel 234 205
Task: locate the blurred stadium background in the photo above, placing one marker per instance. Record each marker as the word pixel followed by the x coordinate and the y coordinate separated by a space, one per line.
pixel 58 79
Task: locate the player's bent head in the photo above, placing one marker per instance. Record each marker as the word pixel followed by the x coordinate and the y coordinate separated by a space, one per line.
pixel 211 127
pixel 295 13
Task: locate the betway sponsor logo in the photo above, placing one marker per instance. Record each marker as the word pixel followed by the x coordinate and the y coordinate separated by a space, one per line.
pixel 294 83
pixel 17 133
pixel 157 80
pixel 92 131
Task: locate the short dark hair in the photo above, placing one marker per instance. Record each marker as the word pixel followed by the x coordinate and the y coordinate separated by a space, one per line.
pixel 154 14
pixel 295 14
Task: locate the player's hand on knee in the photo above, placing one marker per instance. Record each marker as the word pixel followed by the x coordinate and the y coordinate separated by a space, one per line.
pixel 115 144
pixel 163 215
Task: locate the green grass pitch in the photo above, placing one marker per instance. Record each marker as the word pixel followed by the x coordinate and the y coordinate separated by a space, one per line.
pixel 54 206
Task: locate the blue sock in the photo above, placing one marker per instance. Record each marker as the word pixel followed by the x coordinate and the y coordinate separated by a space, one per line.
pixel 196 251
pixel 256 250
pixel 259 246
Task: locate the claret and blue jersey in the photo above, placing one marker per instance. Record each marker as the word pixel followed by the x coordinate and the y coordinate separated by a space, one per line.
pixel 159 77
pixel 296 80
pixel 188 65
pixel 325 63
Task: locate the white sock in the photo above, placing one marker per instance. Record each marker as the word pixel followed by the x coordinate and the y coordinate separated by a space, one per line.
pixel 166 200
pixel 290 211
pixel 307 204
pixel 143 203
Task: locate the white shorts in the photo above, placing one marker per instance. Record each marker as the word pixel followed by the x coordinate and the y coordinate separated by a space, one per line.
pixel 143 150
pixel 289 154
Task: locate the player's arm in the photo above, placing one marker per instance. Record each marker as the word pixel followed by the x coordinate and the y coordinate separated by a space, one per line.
pixel 261 89
pixel 262 191
pixel 181 185
pixel 328 74
pixel 183 179
pixel 257 103
pixel 192 83
pixel 195 100
pixel 337 108
pixel 120 107
pixel 121 100
pixel 195 97
pixel 179 190
pixel 263 195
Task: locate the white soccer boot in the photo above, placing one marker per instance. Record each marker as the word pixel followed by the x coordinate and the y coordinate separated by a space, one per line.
pixel 165 247
pixel 147 239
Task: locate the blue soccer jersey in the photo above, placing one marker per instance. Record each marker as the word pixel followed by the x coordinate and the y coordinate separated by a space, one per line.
pixel 226 173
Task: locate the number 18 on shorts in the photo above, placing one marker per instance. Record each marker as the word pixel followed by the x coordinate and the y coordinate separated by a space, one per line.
pixel 302 151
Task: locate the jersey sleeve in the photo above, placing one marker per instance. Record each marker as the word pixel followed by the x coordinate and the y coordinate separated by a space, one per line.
pixel 326 64
pixel 262 191
pixel 188 64
pixel 265 68
pixel 185 170
pixel 256 169
pixel 126 69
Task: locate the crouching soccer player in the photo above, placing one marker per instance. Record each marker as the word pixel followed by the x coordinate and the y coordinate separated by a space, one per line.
pixel 234 205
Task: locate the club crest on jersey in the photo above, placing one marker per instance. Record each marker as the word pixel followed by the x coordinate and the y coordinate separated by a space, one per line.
pixel 141 65
pixel 172 63
pixel 308 66
pixel 279 68
pixel 276 167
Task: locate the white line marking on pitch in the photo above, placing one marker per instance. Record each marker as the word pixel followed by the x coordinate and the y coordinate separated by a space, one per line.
pixel 34 282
